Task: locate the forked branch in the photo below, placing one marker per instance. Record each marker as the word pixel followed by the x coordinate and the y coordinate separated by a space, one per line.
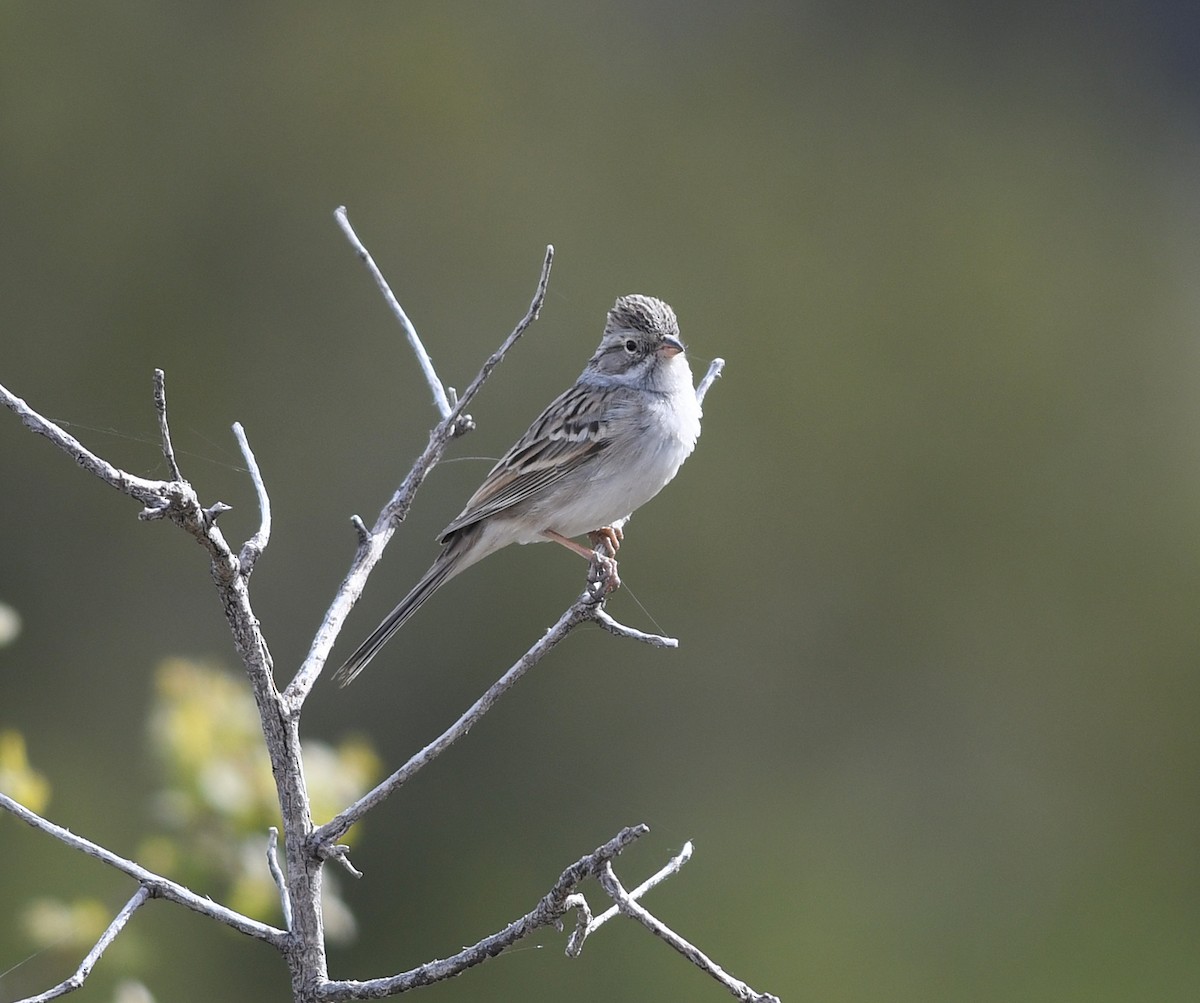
pixel 561 899
pixel 156 885
pixel 373 542
pixel 672 866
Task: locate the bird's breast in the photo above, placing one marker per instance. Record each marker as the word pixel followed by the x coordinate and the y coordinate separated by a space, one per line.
pixel 646 451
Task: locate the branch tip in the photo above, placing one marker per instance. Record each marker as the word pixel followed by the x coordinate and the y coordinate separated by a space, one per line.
pixel 340 854
pixel 160 407
pixel 213 511
pixel 607 623
pixel 252 549
pixel 714 371
pixel 441 402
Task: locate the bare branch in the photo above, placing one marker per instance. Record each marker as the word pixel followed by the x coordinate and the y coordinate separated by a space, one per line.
pixel 174 499
pixel 252 549
pixel 440 400
pixel 160 406
pixel 585 925
pixel 158 886
pixel 627 905
pixel 285 898
pixel 177 501
pixel 714 371
pixel 672 866
pixel 339 854
pixel 620 630
pixel 155 495
pixel 140 897
pixel 549 910
pixel 371 548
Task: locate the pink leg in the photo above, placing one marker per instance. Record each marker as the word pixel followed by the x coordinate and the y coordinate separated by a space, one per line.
pixel 567 542
pixel 606 565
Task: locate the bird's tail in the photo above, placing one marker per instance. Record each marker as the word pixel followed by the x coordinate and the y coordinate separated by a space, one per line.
pixel 446 566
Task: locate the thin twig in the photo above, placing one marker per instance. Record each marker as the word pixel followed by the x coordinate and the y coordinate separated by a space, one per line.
pixel 69 985
pixel 160 406
pixel 174 499
pixel 620 630
pixel 440 400
pixel 672 866
pixel 371 549
pixel 340 855
pixel 608 880
pixel 155 495
pixel 549 910
pixel 158 885
pixel 285 899
pixel 585 925
pixel 714 370
pixel 252 549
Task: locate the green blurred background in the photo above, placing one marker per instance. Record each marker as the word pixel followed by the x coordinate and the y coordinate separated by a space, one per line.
pixel 932 722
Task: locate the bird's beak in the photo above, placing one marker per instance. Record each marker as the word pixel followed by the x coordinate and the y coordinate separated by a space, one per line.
pixel 670 347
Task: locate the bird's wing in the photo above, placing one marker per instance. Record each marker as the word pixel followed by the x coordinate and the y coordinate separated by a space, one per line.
pixel 574 429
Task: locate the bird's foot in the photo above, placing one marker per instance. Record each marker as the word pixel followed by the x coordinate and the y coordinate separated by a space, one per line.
pixel 611 536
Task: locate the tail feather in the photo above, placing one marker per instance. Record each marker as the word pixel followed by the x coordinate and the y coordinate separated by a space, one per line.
pixel 446 566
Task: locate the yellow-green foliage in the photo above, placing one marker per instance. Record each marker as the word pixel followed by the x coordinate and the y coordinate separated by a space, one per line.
pixel 18 779
pixel 218 798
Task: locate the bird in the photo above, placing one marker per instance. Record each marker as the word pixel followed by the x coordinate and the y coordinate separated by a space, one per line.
pixel 601 449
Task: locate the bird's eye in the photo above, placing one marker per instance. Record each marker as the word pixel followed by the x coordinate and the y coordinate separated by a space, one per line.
pixel 631 346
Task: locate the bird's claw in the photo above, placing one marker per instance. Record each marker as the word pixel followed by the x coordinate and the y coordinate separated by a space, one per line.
pixel 611 536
